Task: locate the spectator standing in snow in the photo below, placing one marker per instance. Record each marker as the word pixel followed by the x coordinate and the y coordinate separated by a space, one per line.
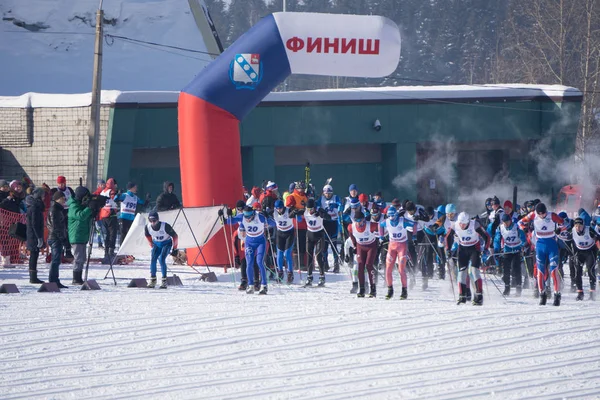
pixel 61 186
pixel 57 235
pixel 35 230
pixel 80 223
pixel 4 189
pixel 167 200
pixel 100 228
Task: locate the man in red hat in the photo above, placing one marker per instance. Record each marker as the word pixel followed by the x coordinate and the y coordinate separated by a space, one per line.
pixel 61 186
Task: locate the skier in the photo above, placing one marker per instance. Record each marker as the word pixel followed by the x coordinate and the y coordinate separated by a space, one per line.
pixel 544 225
pixel 234 217
pixel 585 242
pixel 397 250
pixel 414 229
pixel 364 234
pixel 510 239
pixel 129 203
pixel 566 249
pixel 252 230
pixel 469 250
pixel 285 240
pixel 353 194
pixel 315 240
pixel 378 200
pixel 161 238
pixel 297 201
pixel 332 204
pixel 432 251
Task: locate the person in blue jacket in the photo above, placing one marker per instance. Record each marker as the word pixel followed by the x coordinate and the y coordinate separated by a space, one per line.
pixel 332 204
pixel 129 203
pixel 509 240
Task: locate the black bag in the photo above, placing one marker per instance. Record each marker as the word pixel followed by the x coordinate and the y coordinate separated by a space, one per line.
pixel 18 231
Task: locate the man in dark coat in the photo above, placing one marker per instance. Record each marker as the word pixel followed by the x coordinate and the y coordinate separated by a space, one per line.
pixel 57 234
pixel 35 230
pixel 167 200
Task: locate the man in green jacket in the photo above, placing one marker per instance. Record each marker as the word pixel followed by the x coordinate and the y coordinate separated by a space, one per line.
pixel 80 225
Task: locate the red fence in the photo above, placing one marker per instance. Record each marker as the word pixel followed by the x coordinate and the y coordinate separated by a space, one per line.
pixel 11 247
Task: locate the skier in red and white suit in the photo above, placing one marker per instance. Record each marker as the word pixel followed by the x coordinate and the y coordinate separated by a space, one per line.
pixel 364 236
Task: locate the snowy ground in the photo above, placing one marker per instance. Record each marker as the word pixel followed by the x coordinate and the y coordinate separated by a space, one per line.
pixel 209 340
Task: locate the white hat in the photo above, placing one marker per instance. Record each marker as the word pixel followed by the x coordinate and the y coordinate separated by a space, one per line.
pixel 463 218
pixel 327 189
pixel 271 185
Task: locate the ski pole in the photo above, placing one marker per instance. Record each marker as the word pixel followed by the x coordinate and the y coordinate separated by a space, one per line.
pixel 338 254
pixel 273 256
pixel 229 254
pixel 298 250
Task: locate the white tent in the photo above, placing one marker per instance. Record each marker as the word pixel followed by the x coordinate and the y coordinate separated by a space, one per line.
pixel 194 226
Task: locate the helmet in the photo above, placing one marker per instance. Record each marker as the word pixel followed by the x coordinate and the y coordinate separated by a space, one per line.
pixel 441 209
pixel 450 209
pixel 392 212
pixel 327 189
pixel 463 218
pixel 279 204
pixel 300 185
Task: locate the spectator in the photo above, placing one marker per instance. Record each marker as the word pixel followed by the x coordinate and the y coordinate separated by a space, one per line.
pixel 167 200
pixel 57 234
pixel 35 230
pixel 80 226
pixel 108 216
pixel 61 183
pixel 13 202
pixel 129 202
pixel 4 189
pixel 100 228
pixel 256 192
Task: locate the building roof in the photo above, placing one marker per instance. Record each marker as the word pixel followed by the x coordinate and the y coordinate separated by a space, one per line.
pixel 396 93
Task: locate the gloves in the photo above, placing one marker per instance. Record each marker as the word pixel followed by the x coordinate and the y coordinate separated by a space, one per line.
pixel 174 252
pixel 148 197
pixel 238 261
pixel 347 258
pixel 448 253
pixel 40 243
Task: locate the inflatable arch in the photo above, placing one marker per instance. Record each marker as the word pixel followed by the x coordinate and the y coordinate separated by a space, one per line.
pixel 211 106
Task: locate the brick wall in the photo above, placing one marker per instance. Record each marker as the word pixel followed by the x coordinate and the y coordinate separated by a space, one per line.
pixel 44 143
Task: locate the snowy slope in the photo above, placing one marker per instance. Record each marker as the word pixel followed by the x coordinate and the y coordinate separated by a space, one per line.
pixel 39 51
pixel 208 340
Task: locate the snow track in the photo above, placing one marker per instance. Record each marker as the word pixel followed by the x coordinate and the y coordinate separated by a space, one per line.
pixel 210 340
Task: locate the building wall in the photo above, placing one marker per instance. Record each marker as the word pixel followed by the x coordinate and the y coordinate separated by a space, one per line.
pixel 44 143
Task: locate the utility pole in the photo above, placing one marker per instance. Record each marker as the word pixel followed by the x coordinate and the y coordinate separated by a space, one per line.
pixel 284 5
pixel 94 130
pixel 286 79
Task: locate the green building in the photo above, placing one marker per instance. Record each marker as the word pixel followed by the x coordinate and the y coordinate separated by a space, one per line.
pixel 427 143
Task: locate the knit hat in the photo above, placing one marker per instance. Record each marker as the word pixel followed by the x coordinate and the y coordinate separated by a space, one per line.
pixel 540 208
pixel 131 185
pixel 81 192
pixel 271 185
pixel 578 220
pixel 153 216
pixel 14 184
pixel 363 198
pixel 57 195
pixel 508 204
pixel 61 179
pixel 506 218
pixel 101 182
pixel 3 182
pixel 353 187
pixel 240 204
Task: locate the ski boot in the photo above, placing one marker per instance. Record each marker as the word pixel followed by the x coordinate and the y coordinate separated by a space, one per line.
pixel 263 290
pixel 519 289
pixel 336 266
pixel 390 293
pixel 557 297
pixel 543 297
pixel 579 296
pixel 506 290
pixel 462 296
pixel 163 284
pixel 321 281
pixel 425 283
pixel 361 292
pixel 462 299
pixel 309 280
pixel 61 286
pixel 354 288
pixel 33 278
pixel 478 299
pixel 290 278
pixel 77 278
pixel 256 285
pixel 152 283
pixel 250 289
pixel 548 291
pixel 243 285
pixel 592 295
pixel 404 294
pixel 279 276
pixel 468 294
pixel 373 292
